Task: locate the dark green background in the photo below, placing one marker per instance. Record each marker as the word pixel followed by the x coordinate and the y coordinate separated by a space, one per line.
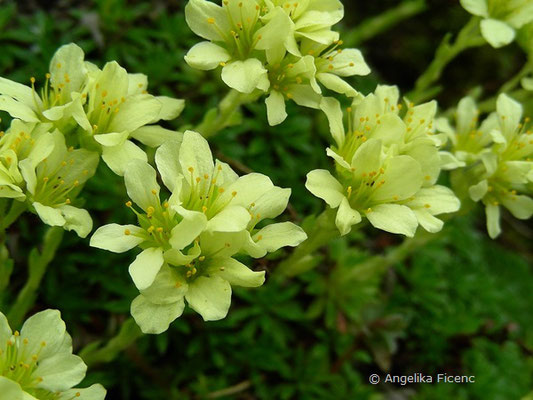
pixel 460 305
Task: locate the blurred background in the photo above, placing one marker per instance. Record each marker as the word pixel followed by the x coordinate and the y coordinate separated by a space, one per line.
pixel 461 304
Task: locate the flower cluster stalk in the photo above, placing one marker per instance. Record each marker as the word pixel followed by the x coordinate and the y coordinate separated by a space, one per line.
pixel 383 22
pixel 467 38
pixel 320 233
pixel 221 117
pixel 94 353
pixel 37 265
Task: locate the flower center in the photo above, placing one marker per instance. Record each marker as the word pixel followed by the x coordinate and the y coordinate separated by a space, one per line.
pixel 158 222
pixel 205 194
pixel 18 364
pixel 104 109
pixel 21 144
pixel 244 22
pixel 360 187
pixel 52 188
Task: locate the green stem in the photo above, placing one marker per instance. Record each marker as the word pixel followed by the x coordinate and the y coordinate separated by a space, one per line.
pixel 6 268
pixel 219 118
pixel 6 263
pixel 383 22
pixel 37 265
pixel 380 263
pixel 319 233
pixel 93 353
pixel 489 105
pixel 468 37
pixel 515 80
pixel 17 208
pixel 410 246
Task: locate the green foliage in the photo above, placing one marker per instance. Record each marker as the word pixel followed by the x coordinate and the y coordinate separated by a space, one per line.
pixel 461 304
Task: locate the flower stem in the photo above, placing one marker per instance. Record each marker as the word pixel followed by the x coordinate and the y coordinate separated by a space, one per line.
pixel 6 268
pixel 17 208
pixel 37 265
pixel 221 117
pixel 383 22
pixel 319 233
pixel 512 83
pixel 93 353
pixel 468 37
pixel 6 263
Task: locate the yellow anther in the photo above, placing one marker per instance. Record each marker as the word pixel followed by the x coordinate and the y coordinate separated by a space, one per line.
pixel 25 341
pixel 177 285
pixel 395 198
pixel 259 238
pixel 368 210
pixel 427 205
pixel 221 190
pixel 48 76
pixel 127 232
pixel 17 333
pixel 352 64
pixel 210 21
pixel 427 178
pixel 151 229
pixel 43 343
pixel 166 205
pixel 32 80
pixel 201 258
pixel 150 210
pixel 198 180
pixel 63 163
pixel 204 209
pixel 154 191
pixel 128 204
pixel 67 201
pixel 159 230
pixel 45 179
pixel 234 194
pixel 190 169
pixel 206 176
